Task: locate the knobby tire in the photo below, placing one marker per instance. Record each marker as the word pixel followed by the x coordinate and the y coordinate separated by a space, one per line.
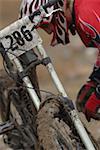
pixel 55 129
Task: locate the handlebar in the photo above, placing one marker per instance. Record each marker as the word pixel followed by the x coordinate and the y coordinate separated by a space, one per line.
pixel 50 3
pixel 44 7
pixel 36 17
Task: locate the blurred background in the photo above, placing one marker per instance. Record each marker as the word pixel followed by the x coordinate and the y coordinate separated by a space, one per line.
pixel 73 62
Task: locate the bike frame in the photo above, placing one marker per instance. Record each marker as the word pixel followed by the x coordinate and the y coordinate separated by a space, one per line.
pixel 73 113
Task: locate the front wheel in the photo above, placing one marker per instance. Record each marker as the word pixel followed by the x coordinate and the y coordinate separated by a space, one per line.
pixel 54 131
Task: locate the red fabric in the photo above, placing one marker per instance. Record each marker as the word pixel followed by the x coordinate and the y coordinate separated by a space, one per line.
pixel 87 18
pixel 85 90
pixel 91 108
pixel 93 103
pixel 87 101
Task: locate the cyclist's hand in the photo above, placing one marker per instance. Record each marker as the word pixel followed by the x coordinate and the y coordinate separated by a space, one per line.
pixel 88 101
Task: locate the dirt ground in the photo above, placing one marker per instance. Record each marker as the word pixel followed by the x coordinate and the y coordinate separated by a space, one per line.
pixel 73 62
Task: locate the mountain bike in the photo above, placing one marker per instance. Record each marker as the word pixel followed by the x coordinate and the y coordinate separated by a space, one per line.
pixel 31 122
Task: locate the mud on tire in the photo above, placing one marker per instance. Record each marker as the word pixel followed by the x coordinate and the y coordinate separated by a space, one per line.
pixel 52 131
pixel 54 127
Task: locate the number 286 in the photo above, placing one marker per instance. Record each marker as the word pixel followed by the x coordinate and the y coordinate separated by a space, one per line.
pixel 20 37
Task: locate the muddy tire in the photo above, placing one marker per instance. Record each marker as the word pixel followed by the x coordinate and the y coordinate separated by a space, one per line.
pixel 23 136
pixel 52 131
pixel 55 129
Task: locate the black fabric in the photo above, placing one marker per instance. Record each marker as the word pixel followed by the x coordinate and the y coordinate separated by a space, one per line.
pixel 95 75
pixel 72 27
pixel 98 91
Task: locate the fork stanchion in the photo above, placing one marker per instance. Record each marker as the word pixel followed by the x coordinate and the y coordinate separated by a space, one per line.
pixel 28 85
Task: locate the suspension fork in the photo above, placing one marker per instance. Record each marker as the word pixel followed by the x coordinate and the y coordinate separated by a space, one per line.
pixel 28 84
pixel 73 113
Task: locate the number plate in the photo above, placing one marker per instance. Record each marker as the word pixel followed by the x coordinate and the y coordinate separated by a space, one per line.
pixel 20 40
